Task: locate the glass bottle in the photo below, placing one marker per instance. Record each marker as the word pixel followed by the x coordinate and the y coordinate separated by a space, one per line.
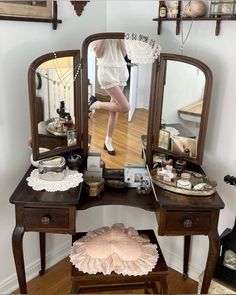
pixel 162 9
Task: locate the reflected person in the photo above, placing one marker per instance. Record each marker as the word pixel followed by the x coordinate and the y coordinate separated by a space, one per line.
pixel 112 76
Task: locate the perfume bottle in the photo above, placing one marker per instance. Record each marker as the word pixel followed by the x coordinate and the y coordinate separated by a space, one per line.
pixel 180 166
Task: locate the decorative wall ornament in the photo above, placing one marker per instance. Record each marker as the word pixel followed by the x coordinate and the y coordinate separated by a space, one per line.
pixel 79 6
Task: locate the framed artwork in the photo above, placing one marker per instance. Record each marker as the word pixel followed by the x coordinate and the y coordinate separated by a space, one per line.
pixel 184 145
pixel 134 173
pixel 71 137
pixel 164 139
pixel 38 11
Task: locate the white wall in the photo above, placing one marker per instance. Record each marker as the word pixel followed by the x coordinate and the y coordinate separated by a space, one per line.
pixel 22 42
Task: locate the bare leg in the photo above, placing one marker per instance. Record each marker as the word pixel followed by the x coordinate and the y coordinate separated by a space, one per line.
pixel 111 123
pixel 113 115
pixel 119 102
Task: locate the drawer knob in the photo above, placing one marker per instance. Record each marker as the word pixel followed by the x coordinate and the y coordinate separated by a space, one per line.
pixel 188 223
pixel 45 220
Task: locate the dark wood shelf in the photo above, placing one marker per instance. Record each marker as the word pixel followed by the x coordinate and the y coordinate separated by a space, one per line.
pixel 178 21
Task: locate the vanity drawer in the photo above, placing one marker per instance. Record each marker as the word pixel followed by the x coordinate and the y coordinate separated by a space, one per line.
pixel 47 219
pixel 186 223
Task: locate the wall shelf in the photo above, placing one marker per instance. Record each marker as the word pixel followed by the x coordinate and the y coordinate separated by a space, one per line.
pixel 218 21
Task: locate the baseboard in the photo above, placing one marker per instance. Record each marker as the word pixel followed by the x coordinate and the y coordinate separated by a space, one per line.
pixel 103 98
pixel 10 284
pixel 176 262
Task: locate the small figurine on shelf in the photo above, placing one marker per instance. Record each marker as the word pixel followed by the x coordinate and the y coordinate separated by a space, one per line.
pixel 162 9
pixel 175 9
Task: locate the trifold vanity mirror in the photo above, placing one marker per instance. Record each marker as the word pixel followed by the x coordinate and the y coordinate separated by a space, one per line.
pixel 177 90
pixel 180 107
pixel 55 103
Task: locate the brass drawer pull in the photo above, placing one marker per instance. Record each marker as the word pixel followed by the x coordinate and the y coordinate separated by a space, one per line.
pixel 188 223
pixel 45 220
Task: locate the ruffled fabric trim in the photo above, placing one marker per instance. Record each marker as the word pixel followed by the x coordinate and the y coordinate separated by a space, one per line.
pixel 141 49
pixel 117 249
pixel 72 179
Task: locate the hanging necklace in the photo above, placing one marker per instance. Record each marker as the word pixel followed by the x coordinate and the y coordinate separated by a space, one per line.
pixel 184 39
pixel 61 79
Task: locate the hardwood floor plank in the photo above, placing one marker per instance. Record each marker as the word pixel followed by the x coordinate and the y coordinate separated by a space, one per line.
pixel 56 281
pixel 126 139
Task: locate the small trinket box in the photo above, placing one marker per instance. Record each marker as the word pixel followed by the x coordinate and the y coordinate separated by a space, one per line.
pixel 94 186
pixel 52 168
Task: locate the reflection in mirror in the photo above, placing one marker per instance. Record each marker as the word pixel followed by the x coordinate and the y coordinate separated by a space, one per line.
pixel 122 110
pixel 55 102
pixel 184 87
pixel 54 80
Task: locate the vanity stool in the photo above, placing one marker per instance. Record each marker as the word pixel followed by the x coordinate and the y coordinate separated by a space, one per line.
pixel 87 283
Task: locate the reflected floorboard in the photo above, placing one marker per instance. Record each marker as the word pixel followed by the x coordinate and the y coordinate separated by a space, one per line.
pixel 126 138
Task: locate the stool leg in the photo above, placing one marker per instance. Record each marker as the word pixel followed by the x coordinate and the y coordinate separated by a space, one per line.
pixel 75 288
pixel 163 286
pixel 145 287
pixel 154 287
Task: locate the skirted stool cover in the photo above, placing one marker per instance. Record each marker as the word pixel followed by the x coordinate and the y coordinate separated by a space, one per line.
pixel 114 248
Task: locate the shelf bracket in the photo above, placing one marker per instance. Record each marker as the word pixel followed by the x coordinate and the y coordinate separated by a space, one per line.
pixel 177 31
pixel 159 27
pixel 217 30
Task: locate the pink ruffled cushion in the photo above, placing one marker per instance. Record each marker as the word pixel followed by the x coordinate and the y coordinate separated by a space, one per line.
pixel 116 249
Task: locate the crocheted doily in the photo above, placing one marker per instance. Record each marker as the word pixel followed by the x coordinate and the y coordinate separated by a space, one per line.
pixel 141 49
pixel 117 249
pixel 72 179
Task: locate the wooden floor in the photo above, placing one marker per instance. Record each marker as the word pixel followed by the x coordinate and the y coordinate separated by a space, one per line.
pixel 56 280
pixel 126 138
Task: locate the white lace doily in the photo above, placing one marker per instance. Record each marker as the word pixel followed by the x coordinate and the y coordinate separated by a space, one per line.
pixel 72 179
pixel 141 49
pixel 117 249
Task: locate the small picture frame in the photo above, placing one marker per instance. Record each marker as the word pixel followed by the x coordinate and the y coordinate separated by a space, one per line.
pixel 135 173
pixel 164 139
pixel 184 145
pixel 71 137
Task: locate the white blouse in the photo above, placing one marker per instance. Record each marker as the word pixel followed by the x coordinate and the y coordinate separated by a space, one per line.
pixel 112 56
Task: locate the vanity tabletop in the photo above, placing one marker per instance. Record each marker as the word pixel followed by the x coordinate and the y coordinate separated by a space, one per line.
pixel 25 195
pixel 125 197
pixel 188 202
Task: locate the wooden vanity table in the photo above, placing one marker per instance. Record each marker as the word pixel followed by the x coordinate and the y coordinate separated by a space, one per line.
pixel 177 214
pixel 47 212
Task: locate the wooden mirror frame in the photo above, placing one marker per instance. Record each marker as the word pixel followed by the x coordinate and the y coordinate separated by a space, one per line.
pixel 33 109
pixel 87 41
pixel 155 110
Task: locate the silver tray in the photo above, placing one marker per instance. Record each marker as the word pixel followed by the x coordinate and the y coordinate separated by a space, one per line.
pixel 195 177
pixel 52 130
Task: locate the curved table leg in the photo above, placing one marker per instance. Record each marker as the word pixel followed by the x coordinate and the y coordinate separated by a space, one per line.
pixel 17 246
pixel 214 243
pixel 42 243
pixel 187 240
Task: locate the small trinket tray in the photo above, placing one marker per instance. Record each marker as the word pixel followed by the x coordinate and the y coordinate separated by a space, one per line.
pixel 52 168
pixel 201 185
